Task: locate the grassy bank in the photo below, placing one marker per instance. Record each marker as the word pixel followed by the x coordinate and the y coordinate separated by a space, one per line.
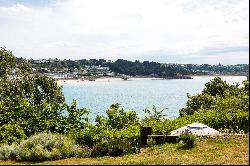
pixel 230 150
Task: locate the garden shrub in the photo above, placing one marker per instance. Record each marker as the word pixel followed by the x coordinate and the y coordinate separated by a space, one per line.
pixel 116 142
pixel 100 149
pixel 151 142
pixel 117 118
pixel 154 114
pixel 84 136
pixel 130 133
pixel 7 152
pixel 112 147
pixel 11 133
pixel 118 147
pixel 235 121
pixel 46 146
pixel 220 96
pixel 187 141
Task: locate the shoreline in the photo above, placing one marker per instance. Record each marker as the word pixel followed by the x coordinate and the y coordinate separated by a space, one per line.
pixel 104 79
pixel 111 79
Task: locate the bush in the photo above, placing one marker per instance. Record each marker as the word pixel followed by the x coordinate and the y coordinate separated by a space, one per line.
pixel 118 147
pixel 151 142
pixel 100 149
pixel 116 142
pixel 187 141
pixel 112 147
pixel 220 96
pixel 84 136
pixel 235 121
pixel 46 146
pixel 11 133
pixel 117 118
pixel 7 152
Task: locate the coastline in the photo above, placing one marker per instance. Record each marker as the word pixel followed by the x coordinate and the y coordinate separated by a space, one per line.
pixel 111 79
pixel 103 79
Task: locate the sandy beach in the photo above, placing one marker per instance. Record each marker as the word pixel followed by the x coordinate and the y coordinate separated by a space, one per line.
pixel 106 79
pixel 111 79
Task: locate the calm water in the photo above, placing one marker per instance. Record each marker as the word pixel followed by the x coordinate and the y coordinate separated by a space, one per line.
pixel 138 95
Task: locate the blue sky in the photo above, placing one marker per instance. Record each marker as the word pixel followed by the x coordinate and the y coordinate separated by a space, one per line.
pixel 169 31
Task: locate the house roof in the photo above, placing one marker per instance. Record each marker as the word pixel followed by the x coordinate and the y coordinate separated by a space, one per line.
pixel 196 128
pixel 197 125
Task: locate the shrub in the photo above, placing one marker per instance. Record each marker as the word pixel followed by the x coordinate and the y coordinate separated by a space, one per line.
pixel 11 133
pixel 46 146
pixel 112 147
pixel 154 114
pixel 100 149
pixel 130 133
pixel 34 101
pixel 220 96
pixel 187 141
pixel 118 147
pixel 84 136
pixel 7 152
pixel 235 121
pixel 151 142
pixel 117 118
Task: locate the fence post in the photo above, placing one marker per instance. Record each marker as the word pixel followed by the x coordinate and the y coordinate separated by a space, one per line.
pixel 145 131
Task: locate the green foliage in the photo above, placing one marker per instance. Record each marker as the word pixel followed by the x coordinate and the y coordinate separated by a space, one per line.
pixel 216 87
pixel 113 146
pixel 168 70
pixel 100 149
pixel 85 136
pixel 219 96
pixel 118 147
pixel 76 117
pixel 234 121
pixel 7 62
pixel 10 66
pixel 7 152
pixel 187 141
pixel 154 114
pixel 111 142
pixel 11 133
pixel 195 103
pixel 46 146
pixel 117 118
pixel 34 102
pixel 151 142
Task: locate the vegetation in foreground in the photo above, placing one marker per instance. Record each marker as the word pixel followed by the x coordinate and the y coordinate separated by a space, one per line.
pixel 36 124
pixel 233 150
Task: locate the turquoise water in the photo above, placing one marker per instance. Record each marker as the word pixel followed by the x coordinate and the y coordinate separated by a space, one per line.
pixel 138 95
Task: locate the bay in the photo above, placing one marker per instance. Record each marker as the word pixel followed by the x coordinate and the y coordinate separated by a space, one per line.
pixel 138 94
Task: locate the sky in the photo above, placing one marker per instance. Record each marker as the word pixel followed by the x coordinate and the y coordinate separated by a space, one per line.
pixel 166 31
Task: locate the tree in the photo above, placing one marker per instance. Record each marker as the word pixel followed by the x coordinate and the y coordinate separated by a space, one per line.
pixel 117 118
pixel 218 96
pixel 216 87
pixel 34 102
pixel 155 114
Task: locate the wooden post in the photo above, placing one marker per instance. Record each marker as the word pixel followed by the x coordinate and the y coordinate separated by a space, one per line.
pixel 145 131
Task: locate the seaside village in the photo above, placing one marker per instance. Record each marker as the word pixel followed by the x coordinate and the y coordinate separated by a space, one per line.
pixel 89 73
pixel 52 68
pixel 86 73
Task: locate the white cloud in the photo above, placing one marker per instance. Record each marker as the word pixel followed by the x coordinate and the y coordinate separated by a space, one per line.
pixel 114 29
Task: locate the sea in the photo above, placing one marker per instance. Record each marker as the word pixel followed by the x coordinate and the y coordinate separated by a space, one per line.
pixel 137 95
